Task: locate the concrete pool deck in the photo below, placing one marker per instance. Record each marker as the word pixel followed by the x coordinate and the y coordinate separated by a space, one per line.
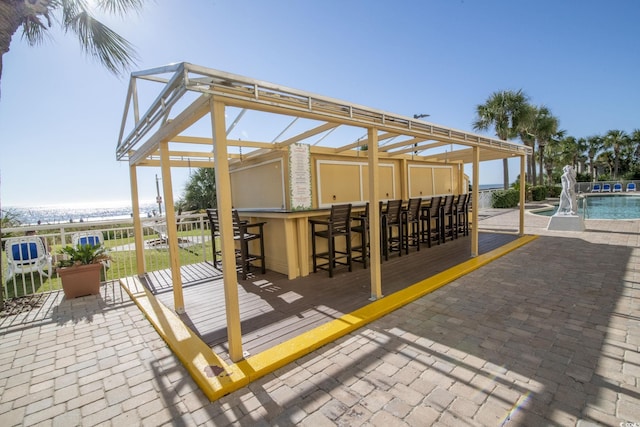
pixel 547 334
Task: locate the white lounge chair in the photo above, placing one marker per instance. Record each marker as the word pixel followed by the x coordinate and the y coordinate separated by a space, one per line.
pixel 617 187
pixel 596 188
pixel 27 255
pixel 631 186
pixel 606 188
pixel 93 238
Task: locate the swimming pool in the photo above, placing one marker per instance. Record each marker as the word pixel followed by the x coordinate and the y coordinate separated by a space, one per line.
pixel 612 206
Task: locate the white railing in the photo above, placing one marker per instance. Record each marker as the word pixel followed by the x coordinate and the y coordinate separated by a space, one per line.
pixel 485 196
pixel 193 234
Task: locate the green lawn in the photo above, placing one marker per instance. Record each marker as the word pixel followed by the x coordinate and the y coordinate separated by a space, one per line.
pixel 123 263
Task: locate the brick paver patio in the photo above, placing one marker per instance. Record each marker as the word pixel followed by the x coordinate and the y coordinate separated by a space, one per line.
pixel 546 335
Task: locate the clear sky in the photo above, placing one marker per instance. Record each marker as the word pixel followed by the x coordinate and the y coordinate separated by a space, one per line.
pixel 60 111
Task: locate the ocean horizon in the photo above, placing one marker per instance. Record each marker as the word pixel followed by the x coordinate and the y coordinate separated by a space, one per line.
pixel 77 212
pixel 85 212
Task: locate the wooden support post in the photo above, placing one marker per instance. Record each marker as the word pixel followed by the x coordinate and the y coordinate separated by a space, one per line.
pixel 224 204
pixel 475 201
pixel 141 267
pixel 374 215
pixel 172 231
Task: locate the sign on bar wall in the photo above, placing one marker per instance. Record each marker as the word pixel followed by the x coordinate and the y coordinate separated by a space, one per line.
pixel 300 177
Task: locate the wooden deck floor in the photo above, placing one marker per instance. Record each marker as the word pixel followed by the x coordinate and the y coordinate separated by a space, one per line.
pixel 274 309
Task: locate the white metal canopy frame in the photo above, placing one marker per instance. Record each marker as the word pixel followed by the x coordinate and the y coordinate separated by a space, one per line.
pixel 179 97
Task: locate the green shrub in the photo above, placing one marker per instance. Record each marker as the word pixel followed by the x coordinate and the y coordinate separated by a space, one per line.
pixel 583 177
pixel 538 192
pixel 554 191
pixel 505 198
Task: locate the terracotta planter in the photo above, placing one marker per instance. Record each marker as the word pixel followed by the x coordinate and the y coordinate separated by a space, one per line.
pixel 80 280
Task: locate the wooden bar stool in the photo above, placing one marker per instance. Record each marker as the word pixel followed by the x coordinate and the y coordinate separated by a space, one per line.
pixel 243 233
pixel 411 233
pixel 431 221
pixel 392 221
pixel 462 215
pixel 361 229
pixel 337 225
pixel 447 219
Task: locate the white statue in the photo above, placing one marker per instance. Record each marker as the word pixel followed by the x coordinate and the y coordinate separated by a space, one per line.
pixel 568 204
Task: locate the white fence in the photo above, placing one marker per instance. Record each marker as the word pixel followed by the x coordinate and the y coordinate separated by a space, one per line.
pixel 193 233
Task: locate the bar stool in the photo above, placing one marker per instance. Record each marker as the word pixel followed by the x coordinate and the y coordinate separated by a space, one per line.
pixel 447 219
pixel 243 233
pixel 431 215
pixel 392 220
pixel 361 229
pixel 462 221
pixel 337 225
pixel 412 234
pixel 246 232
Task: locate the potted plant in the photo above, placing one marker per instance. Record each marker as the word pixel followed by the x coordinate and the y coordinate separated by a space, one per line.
pixel 80 269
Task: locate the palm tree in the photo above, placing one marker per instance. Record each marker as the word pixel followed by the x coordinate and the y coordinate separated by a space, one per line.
pixel 553 151
pixel 545 127
pixel 96 39
pixel 635 141
pixel 526 123
pixel 605 159
pixel 200 190
pixel 503 111
pixel 594 144
pixel 616 140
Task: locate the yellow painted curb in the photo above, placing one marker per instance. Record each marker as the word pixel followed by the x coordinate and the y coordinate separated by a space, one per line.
pixel 216 378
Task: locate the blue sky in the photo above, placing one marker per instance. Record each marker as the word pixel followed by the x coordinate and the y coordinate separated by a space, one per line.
pixel 60 111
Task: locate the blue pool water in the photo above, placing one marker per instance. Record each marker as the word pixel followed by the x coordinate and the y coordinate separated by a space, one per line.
pixel 618 206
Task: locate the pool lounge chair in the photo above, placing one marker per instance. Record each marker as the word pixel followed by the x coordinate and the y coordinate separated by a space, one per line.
pixel 631 186
pixel 27 255
pixel 617 187
pixel 595 188
pixel 606 188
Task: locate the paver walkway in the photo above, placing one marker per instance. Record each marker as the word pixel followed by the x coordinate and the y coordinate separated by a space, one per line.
pixel 547 335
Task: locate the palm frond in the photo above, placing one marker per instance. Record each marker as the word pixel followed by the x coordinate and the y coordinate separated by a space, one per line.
pixel 111 49
pixel 120 7
pixel 33 31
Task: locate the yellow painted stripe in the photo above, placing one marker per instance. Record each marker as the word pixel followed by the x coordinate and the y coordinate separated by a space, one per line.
pixel 216 378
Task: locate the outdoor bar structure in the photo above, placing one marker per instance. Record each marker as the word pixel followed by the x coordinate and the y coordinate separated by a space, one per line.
pixel 284 156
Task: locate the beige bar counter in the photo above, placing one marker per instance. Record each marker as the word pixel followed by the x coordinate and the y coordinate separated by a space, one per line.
pixel 286 237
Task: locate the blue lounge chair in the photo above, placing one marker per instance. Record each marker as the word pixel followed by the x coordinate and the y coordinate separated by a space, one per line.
pixel 631 186
pixel 26 255
pixel 617 187
pixel 595 188
pixel 606 188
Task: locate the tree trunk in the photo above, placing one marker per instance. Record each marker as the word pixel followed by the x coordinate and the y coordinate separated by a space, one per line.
pixel 12 13
pixel 533 166
pixel 541 148
pixel 505 168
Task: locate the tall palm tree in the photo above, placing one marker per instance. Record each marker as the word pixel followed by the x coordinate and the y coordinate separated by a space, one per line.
pixel 526 124
pixel 579 157
pixel 594 145
pixel 616 140
pixel 554 150
pixel 96 39
pixel 605 159
pixel 634 136
pixel 545 127
pixel 503 111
